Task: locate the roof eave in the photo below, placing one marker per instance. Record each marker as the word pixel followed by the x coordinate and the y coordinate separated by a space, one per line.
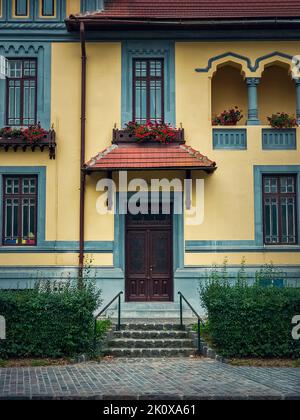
pixel 101 23
pixel 207 169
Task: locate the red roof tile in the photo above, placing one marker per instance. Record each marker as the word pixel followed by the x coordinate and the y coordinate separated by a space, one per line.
pixel 150 156
pixel 198 9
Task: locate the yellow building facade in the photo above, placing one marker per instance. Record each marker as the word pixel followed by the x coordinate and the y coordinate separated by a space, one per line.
pixel 203 77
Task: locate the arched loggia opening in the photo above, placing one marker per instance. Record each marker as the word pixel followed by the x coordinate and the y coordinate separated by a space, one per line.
pixel 276 92
pixel 229 89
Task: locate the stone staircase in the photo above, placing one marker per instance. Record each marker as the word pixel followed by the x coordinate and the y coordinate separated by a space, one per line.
pixel 158 312
pixel 150 339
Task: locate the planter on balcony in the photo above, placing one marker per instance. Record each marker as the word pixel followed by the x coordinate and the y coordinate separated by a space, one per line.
pixel 16 143
pixel 279 139
pixel 125 136
pixel 230 138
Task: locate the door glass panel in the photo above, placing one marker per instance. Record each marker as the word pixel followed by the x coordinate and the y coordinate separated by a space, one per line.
pixel 160 252
pixel 137 252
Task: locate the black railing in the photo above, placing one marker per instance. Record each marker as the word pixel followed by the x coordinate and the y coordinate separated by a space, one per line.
pixel 200 320
pixel 118 326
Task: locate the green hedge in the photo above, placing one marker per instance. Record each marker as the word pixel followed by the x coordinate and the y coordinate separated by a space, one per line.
pixel 251 321
pixel 48 321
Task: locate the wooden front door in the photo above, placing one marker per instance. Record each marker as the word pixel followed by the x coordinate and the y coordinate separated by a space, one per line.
pixel 149 273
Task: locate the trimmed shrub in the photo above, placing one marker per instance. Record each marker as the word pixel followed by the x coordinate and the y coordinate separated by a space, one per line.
pixel 251 320
pixel 51 320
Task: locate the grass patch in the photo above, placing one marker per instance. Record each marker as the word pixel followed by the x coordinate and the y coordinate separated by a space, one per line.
pixel 103 325
pixel 275 363
pixel 16 363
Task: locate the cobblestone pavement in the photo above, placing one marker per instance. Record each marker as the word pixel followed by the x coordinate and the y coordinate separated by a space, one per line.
pixel 149 379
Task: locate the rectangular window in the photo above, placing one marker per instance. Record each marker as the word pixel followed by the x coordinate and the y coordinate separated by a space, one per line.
pixel 280 209
pixel 20 210
pixel 48 8
pixel 21 92
pixel 21 8
pixel 148 90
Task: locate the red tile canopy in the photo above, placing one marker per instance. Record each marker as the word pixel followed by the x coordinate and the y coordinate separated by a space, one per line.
pixel 195 9
pixel 149 156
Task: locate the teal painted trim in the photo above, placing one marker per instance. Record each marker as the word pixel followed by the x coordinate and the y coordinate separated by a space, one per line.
pixel 34 14
pixel 56 273
pixel 42 52
pixel 21 4
pixel 91 5
pixel 40 171
pixel 21 7
pixel 230 139
pixel 61 11
pixel 3 12
pixel 259 171
pixel 274 139
pixel 119 239
pixel 47 30
pixel 271 55
pixel 225 55
pixel 247 60
pixel 48 8
pixel 196 272
pixel 61 247
pixel 139 49
pixel 235 247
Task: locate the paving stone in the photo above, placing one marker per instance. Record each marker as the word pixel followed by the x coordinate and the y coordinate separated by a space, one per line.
pixel 150 378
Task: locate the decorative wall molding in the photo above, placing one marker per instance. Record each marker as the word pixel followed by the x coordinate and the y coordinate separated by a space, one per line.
pixel 33 17
pixel 251 67
pixel 274 139
pixel 231 139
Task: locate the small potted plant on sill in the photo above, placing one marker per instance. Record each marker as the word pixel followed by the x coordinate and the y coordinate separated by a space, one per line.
pixel 282 120
pixel 229 117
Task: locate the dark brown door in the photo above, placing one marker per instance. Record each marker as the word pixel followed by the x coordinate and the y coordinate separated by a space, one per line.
pixel 149 258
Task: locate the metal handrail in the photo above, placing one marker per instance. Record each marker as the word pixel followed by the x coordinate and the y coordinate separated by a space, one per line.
pixel 200 320
pixel 118 326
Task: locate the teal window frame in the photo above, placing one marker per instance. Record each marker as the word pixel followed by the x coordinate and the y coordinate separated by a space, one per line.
pixel 148 49
pixel 40 173
pixel 42 53
pixel 259 172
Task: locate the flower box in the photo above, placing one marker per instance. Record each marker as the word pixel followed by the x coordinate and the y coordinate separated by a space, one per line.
pixel 126 136
pixel 15 143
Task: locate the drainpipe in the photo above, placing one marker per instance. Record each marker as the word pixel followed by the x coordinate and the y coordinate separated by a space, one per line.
pixel 82 149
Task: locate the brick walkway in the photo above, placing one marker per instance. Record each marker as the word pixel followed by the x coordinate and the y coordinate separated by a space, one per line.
pixel 150 379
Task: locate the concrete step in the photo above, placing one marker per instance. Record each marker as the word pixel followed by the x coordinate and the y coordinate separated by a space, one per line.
pixel 151 334
pixel 149 310
pixel 151 327
pixel 152 352
pixel 150 344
